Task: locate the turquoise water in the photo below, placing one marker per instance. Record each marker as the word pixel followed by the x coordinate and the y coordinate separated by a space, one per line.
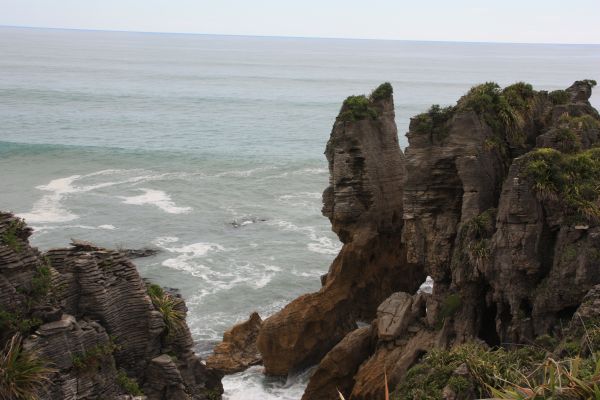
pixel 210 149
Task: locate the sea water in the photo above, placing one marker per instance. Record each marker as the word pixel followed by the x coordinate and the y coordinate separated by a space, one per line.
pixel 210 148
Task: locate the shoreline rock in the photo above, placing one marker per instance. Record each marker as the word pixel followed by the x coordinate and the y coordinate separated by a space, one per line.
pixel 86 310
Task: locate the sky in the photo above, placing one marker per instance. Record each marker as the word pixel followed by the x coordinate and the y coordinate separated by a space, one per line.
pixel 518 21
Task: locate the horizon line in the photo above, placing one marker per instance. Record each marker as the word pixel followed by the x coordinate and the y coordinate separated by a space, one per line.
pixel 295 37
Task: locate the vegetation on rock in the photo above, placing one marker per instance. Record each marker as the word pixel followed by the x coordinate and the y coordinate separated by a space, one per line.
pixel 383 91
pixel 89 360
pixel 166 304
pixel 357 108
pixel 434 121
pixel 23 375
pixel 128 384
pixel 570 179
pixel 10 236
pixel 503 110
pixel 559 97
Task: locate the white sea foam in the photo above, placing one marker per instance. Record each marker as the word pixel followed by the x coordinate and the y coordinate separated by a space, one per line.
pixel 319 244
pixel 107 227
pixel 252 384
pixel 156 198
pixel 49 209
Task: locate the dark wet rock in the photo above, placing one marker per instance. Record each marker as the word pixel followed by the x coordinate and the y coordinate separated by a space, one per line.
pixel 140 253
pixel 239 223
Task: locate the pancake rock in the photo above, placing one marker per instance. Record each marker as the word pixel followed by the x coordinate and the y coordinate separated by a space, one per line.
pixel 496 199
pixel 86 311
pixel 364 205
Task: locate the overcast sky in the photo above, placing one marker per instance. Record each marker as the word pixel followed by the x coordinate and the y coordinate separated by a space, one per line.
pixel 533 21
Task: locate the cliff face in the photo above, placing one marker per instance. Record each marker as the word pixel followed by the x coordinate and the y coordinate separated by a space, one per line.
pixel 86 312
pixel 496 199
pixel 364 204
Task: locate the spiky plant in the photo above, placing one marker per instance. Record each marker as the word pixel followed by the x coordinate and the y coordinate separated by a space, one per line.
pixel 23 375
pixel 555 380
pixel 166 304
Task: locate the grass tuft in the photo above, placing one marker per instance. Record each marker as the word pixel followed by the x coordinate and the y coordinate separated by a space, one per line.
pixel 166 304
pixel 357 108
pixel 128 384
pixel 383 91
pixel 10 237
pixel 23 375
pixel 572 179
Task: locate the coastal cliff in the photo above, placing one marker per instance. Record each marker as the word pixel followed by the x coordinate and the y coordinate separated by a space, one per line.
pixel 495 198
pixel 80 322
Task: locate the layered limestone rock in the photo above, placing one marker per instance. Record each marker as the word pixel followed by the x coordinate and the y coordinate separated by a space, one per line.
pixel 364 204
pixel 86 311
pixel 498 203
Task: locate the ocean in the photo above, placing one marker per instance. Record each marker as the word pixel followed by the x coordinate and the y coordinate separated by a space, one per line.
pixel 210 148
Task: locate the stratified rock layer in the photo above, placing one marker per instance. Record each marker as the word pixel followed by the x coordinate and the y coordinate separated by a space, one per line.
pixel 364 204
pixel 512 254
pixel 89 316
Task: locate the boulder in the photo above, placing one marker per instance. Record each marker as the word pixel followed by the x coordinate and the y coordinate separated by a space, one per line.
pixel 238 349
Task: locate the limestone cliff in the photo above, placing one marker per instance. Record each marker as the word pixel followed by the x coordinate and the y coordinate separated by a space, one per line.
pixel 86 313
pixel 496 198
pixel 364 204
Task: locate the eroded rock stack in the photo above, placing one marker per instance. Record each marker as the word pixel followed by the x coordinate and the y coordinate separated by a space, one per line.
pixel 86 311
pixel 496 199
pixel 364 204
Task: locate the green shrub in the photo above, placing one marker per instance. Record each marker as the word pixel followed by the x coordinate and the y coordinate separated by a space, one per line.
pixel 166 304
pixel 427 379
pixel 567 140
pixel 10 237
pixel 449 308
pixel 129 385
pixel 434 121
pixel 502 110
pixel 383 91
pixel 591 82
pixel 572 179
pixel 90 360
pixel 357 108
pixel 14 322
pixel 23 375
pixel 559 97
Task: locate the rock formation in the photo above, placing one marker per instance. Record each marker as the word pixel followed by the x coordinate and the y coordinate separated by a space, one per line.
pixel 238 349
pixel 364 204
pixel 496 198
pixel 86 311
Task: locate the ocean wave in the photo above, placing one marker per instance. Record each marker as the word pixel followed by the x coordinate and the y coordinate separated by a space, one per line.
pixel 46 228
pixel 252 384
pixel 319 244
pixel 156 198
pixel 50 208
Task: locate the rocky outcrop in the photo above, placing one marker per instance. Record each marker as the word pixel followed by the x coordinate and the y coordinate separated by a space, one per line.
pixel 364 204
pixel 496 199
pixel 86 311
pixel 238 349
pixel 336 371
